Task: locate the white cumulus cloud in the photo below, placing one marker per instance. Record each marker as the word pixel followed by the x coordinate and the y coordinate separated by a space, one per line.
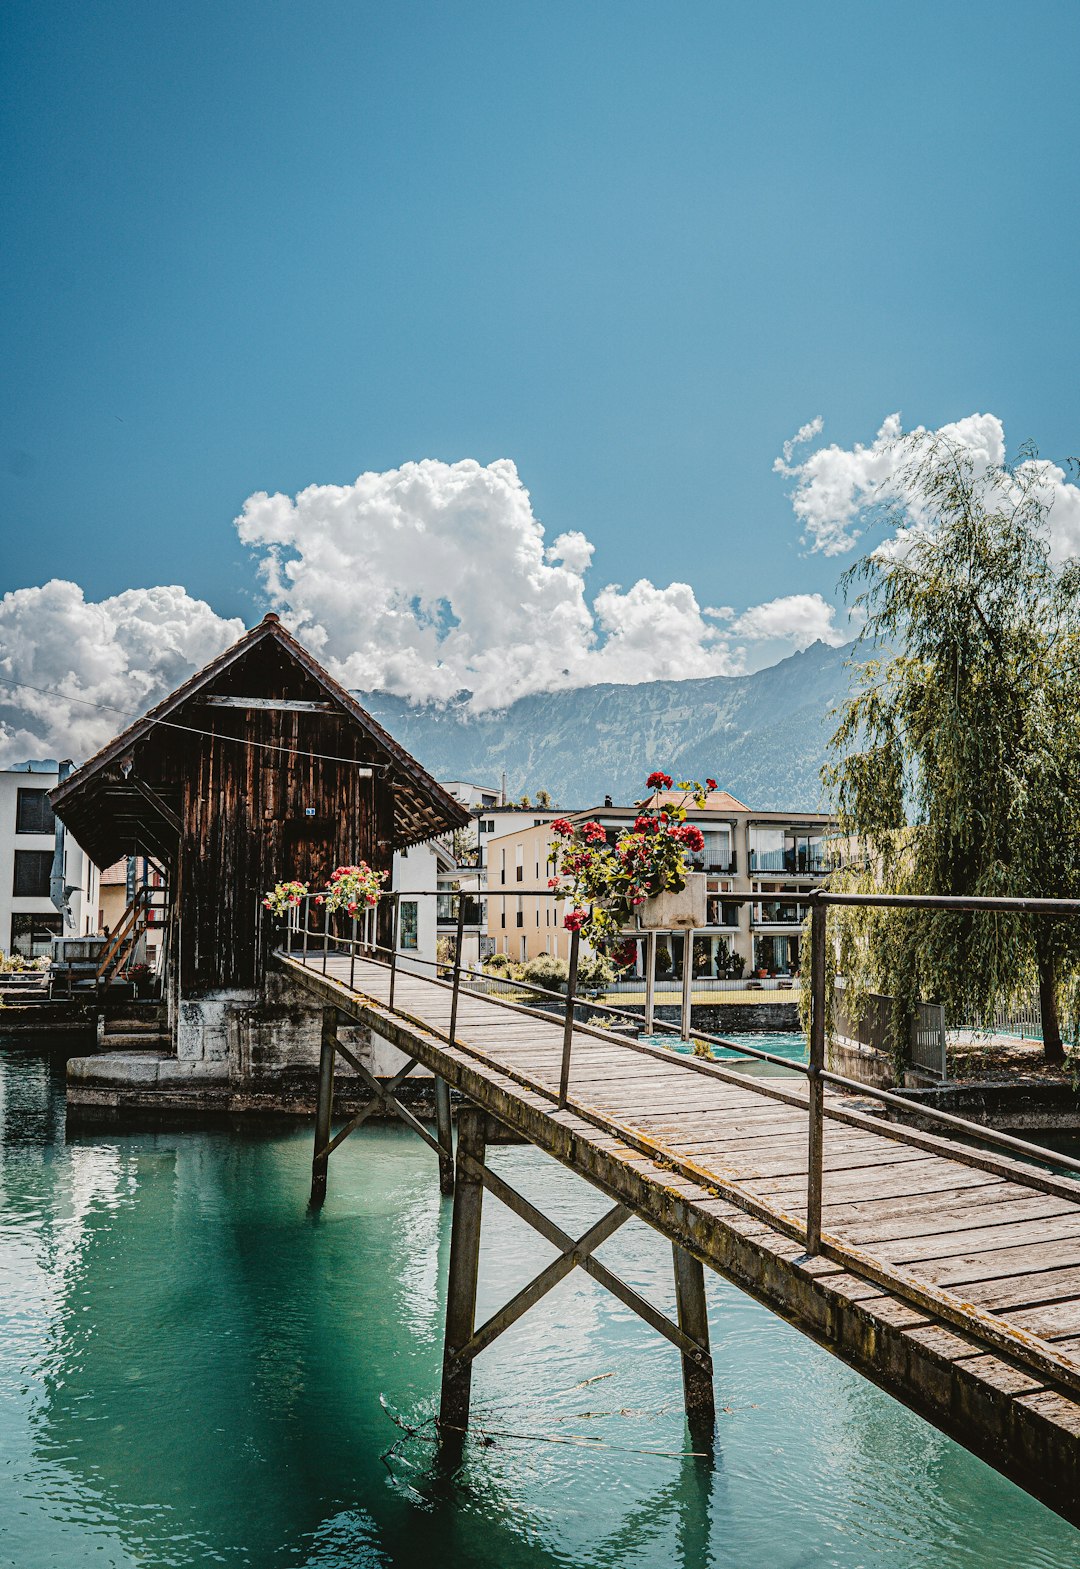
pixel 124 653
pixel 434 579
pixel 800 619
pixel 427 581
pixel 838 489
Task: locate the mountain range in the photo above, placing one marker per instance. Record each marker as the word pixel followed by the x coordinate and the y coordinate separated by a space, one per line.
pixel 761 736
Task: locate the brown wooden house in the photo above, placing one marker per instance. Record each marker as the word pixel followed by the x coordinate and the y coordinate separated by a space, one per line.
pixel 260 767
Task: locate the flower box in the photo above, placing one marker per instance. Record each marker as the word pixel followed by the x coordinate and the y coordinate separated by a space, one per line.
pixel 682 911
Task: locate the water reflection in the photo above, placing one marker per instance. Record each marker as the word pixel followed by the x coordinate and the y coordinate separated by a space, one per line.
pixel 194 1369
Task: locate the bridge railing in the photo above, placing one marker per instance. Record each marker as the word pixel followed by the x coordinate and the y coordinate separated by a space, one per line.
pixel 970 1142
pixel 579 1009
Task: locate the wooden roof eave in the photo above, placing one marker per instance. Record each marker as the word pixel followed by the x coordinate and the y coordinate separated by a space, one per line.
pixel 432 809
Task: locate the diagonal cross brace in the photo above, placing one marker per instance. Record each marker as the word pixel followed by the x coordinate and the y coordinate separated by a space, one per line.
pixel 382 1096
pixel 574 1253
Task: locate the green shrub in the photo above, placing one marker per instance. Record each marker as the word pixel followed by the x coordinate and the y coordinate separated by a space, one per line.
pixel 595 973
pixel 546 970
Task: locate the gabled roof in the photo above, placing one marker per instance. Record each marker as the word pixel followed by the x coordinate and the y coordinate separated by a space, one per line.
pixel 422 807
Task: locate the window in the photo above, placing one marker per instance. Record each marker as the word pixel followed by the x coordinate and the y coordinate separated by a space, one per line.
pixel 34 813
pixel 520 911
pixel 32 935
pixel 519 863
pixel 32 871
pixel 502 872
pixel 407 928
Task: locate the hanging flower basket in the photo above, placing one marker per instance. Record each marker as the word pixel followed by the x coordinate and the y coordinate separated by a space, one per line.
pixel 352 889
pixel 683 909
pixel 282 896
pixel 645 875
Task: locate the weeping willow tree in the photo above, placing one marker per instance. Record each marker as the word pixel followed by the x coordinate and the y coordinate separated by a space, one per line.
pixel 955 767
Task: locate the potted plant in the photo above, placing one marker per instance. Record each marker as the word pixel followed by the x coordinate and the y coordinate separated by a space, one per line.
pixel 646 875
pixel 140 976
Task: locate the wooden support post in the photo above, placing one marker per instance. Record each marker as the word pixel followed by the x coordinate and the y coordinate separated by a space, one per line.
pixel 461 1286
pixel 352 957
pixel 687 982
pixel 324 1106
pixel 816 1084
pixel 650 983
pixel 693 1319
pixel 444 1130
pixel 568 1025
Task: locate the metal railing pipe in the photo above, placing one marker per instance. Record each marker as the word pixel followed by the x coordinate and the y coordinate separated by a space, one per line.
pixel 459 938
pixel 568 1024
pixel 395 933
pixel 650 982
pixel 687 984
pixel 815 1069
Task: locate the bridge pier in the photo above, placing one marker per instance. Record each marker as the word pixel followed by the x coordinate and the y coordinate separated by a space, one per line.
pixel 444 1134
pixel 324 1105
pixel 463 1341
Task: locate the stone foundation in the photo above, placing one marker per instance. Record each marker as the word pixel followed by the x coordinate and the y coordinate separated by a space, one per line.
pixel 236 1052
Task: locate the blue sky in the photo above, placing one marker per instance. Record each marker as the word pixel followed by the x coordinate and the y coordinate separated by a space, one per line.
pixel 630 247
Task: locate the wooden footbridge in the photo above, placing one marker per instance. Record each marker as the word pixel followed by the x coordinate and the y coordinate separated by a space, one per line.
pixel 948 1273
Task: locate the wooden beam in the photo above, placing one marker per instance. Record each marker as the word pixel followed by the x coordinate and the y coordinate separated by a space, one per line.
pixel 456 1392
pixel 283 705
pixel 166 813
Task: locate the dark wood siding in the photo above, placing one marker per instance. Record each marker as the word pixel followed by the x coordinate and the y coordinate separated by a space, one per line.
pixel 253 815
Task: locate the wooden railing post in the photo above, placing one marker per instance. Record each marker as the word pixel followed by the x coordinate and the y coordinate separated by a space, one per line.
pixel 568 1025
pixel 650 982
pixel 324 1106
pixel 352 956
pixel 816 1083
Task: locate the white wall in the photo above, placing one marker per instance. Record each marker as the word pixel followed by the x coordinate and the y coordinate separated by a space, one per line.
pixel 80 871
pixel 417 868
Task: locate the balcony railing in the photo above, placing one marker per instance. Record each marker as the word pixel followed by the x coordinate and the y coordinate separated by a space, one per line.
pixel 791 863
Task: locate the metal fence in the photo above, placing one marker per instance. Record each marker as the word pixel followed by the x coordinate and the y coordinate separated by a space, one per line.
pixel 872 1026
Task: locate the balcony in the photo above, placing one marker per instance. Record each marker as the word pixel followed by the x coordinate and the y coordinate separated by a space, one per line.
pixel 792 863
pixel 446 911
pixel 773 913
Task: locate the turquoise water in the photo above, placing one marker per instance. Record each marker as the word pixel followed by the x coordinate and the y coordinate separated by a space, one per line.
pixel 790 1044
pixel 195 1370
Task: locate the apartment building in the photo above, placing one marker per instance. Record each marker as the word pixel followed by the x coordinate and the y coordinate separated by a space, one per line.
pixel 30 838
pixel 520 921
pixel 780 856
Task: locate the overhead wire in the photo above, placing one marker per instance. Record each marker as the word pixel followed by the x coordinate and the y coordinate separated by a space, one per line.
pixel 172 724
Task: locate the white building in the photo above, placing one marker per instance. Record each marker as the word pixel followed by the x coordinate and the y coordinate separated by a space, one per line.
pixel 29 835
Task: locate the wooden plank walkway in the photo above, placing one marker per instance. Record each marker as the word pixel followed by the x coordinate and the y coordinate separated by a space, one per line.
pixel 717 1161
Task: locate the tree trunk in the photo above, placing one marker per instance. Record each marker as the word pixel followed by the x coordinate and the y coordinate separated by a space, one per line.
pixel 1053 1051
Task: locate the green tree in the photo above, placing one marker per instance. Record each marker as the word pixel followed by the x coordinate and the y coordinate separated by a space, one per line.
pixel 956 762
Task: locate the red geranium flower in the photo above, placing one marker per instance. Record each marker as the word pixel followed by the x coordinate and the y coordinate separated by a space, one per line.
pixel 574 920
pixel 563 827
pixel 593 833
pixel 710 784
pixel 659 781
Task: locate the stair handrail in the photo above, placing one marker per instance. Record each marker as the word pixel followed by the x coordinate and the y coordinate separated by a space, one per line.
pixel 123 934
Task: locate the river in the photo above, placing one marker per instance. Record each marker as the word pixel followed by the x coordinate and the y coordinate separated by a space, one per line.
pixel 194 1369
